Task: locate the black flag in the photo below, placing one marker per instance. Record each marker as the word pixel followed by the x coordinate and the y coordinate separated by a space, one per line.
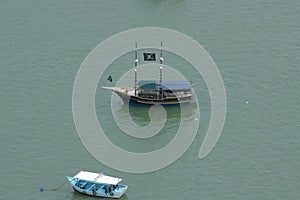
pixel 109 78
pixel 149 57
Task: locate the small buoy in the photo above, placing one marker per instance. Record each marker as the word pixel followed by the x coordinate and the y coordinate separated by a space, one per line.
pixel 196 119
pixel 246 102
pixel 42 189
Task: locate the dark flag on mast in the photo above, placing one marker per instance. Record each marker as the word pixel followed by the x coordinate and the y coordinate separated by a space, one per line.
pixel 149 57
pixel 110 78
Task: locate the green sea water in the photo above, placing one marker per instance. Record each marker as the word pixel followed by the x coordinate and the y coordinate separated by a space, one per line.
pixel 255 45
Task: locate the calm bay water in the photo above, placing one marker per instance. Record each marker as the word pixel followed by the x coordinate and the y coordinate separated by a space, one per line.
pixel 255 46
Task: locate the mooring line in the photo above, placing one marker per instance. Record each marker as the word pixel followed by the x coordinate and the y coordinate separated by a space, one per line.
pixel 53 189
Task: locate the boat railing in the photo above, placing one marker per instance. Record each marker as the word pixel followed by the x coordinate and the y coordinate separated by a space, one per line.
pixel 82 185
pixel 92 187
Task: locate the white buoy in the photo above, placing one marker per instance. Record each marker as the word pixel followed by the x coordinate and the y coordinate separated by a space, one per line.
pixel 246 102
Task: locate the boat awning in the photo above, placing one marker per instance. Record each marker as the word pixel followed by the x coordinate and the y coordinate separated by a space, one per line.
pixel 98 178
pixel 166 85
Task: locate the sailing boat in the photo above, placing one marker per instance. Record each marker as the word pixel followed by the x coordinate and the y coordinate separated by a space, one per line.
pixel 154 92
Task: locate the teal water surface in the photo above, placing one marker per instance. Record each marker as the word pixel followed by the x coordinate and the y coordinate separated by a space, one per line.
pixel 255 45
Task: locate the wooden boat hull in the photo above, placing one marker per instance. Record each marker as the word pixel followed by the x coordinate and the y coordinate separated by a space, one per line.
pixel 132 100
pixel 136 100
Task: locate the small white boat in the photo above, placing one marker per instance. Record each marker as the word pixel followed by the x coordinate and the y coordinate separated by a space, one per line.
pixel 98 185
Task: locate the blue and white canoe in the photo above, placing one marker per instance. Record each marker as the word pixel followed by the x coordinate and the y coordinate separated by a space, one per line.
pixel 98 185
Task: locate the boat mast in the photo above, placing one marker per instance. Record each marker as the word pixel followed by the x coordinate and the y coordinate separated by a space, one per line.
pixel 160 70
pixel 135 70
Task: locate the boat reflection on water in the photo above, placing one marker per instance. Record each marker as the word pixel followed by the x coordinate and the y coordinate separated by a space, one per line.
pixel 136 119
